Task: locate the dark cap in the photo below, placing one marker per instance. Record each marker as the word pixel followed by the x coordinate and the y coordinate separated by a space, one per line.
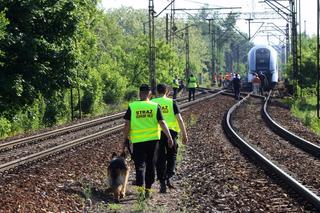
pixel 144 88
pixel 161 88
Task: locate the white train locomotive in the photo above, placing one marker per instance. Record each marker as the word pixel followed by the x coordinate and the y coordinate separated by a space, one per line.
pixel 263 58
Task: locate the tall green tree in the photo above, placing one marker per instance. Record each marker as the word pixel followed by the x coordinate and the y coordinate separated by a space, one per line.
pixel 38 50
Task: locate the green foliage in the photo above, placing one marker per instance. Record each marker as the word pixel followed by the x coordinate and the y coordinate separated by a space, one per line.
pixel 37 49
pixel 5 127
pixel 131 94
pixel 114 207
pixel 305 108
pixel 49 48
pixel 141 204
pixel 3 23
pixel 114 84
pixel 87 191
pixel 93 92
pixel 57 109
pixel 307 76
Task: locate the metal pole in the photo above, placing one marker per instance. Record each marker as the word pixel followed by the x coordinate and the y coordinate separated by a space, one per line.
pixel 167 28
pixel 152 54
pixel 294 45
pixel 212 47
pixel 187 52
pixel 173 24
pixel 238 59
pixel 287 44
pixel 300 49
pixel 249 23
pixel 215 49
pixel 71 103
pixel 318 57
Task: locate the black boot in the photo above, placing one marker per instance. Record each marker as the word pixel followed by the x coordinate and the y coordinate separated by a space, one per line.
pixel 163 187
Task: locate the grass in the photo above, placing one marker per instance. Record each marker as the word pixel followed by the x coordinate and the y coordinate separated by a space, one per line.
pixel 87 192
pixel 114 207
pixel 305 109
pixel 181 151
pixel 141 204
pixel 193 120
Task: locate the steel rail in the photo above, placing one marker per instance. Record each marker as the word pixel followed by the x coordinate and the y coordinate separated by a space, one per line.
pixel 247 148
pixel 51 133
pixel 63 147
pixel 306 145
pixel 58 148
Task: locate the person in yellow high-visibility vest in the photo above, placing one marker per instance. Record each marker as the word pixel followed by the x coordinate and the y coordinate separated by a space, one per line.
pixel 175 87
pixel 192 84
pixel 143 120
pixel 167 155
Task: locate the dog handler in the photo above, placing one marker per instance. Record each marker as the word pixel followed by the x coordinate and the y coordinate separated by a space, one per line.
pixel 143 120
pixel 192 84
pixel 167 155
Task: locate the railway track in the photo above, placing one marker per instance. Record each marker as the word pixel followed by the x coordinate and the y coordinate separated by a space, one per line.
pixel 55 149
pixel 296 168
pixel 54 133
pixel 21 147
pixel 300 142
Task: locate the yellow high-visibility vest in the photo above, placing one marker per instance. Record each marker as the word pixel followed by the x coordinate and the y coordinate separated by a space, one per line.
pixel 166 105
pixel 192 82
pixel 144 123
pixel 175 83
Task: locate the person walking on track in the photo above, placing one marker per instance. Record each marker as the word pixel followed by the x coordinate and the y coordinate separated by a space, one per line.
pixel 236 86
pixel 143 120
pixel 256 82
pixel 175 87
pixel 192 84
pixel 167 155
pixel 262 78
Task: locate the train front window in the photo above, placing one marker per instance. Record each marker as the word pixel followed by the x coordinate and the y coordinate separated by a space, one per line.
pixel 262 59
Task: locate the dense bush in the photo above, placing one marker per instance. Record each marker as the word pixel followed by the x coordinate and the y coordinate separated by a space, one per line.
pixel 57 109
pixel 114 85
pixel 92 93
pixel 102 57
pixel 5 127
pixel 131 94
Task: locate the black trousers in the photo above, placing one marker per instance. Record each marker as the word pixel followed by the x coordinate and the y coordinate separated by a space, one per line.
pixel 144 157
pixel 236 93
pixel 191 92
pixel 167 157
pixel 175 92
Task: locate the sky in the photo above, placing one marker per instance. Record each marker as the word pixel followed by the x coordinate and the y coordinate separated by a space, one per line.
pixel 308 14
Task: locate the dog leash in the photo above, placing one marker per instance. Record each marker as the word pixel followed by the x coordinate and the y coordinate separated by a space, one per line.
pixel 127 142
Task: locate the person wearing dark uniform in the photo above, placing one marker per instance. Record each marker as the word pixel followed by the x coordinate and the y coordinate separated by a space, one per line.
pixel 192 84
pixel 175 87
pixel 220 80
pixel 262 79
pixel 236 86
pixel 143 120
pixel 167 155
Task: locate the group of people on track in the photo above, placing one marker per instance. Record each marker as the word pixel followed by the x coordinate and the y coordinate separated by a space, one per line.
pixel 152 125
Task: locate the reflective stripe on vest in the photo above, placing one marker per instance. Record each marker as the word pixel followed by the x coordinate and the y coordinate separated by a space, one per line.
pixel 168 112
pixel 175 83
pixel 192 82
pixel 143 123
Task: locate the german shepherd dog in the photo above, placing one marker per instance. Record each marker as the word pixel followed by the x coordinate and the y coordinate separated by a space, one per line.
pixel 118 174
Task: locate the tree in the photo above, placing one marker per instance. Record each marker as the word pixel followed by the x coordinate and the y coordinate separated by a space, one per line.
pixel 38 52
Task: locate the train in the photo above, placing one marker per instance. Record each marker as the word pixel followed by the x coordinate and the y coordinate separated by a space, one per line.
pixel 264 58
